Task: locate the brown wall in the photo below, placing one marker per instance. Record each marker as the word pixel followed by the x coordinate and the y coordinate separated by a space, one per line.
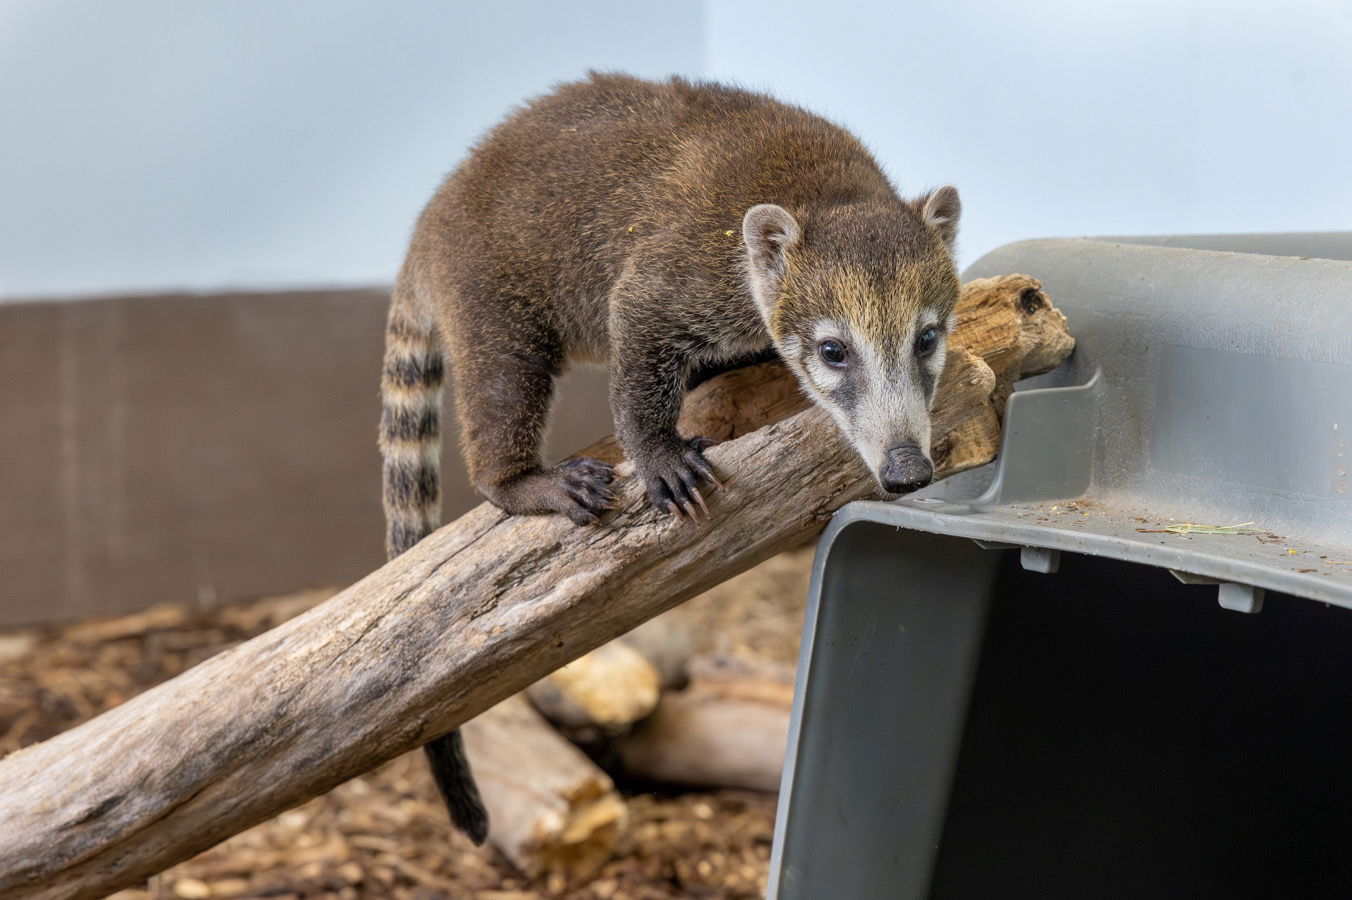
pixel 178 448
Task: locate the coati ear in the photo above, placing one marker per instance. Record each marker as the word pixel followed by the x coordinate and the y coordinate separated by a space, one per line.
pixel 940 210
pixel 768 232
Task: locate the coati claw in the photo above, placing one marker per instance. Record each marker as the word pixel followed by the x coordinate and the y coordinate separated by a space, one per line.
pixel 699 463
pixel 587 495
pixel 673 481
pixel 692 491
pixel 593 468
pixel 583 483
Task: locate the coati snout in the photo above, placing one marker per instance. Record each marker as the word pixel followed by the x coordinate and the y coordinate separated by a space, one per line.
pixel 905 468
pixel 665 230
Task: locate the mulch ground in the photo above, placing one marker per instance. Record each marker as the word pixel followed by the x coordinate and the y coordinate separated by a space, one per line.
pixel 385 834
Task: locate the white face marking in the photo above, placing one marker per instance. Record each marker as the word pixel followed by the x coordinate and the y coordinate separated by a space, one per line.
pixel 878 402
pixel 824 376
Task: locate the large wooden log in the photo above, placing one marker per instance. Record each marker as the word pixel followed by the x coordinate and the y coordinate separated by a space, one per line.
pixel 476 612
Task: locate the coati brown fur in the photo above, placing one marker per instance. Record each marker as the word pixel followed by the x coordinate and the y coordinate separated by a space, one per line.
pixel 663 230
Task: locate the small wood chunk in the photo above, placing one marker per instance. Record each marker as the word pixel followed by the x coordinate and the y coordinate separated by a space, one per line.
pixel 740 678
pixel 702 738
pixel 553 812
pixel 609 688
pixel 728 729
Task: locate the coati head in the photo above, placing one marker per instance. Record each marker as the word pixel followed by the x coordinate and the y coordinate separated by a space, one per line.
pixel 858 300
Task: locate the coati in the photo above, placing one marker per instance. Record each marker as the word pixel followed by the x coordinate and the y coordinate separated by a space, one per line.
pixel 661 229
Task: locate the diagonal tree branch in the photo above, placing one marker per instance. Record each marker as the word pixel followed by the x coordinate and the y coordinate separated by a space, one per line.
pixel 473 614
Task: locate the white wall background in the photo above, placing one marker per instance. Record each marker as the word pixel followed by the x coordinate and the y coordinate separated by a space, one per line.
pixel 1074 117
pixel 156 144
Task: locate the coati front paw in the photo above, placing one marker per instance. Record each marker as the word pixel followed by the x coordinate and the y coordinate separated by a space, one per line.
pixel 673 478
pixel 578 488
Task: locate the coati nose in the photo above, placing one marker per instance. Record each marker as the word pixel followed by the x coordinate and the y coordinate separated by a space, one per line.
pixel 905 469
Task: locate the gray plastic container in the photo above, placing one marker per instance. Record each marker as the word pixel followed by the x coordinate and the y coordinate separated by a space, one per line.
pixel 1212 383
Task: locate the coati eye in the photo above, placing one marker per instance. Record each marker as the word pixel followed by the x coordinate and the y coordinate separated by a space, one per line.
pixel 833 353
pixel 924 344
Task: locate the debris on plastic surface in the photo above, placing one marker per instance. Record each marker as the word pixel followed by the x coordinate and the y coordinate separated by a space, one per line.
pixel 1194 528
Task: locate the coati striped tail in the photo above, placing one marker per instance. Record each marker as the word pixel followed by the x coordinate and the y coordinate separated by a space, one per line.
pixel 451 772
pixel 410 448
pixel 410 432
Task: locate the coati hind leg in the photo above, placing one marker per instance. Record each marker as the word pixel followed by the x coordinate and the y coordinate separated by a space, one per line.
pixel 504 385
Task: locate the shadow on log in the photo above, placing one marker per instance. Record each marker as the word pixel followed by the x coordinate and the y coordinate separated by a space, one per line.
pixel 475 613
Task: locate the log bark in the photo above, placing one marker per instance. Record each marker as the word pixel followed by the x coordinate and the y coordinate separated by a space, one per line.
pixel 553 811
pixel 473 614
